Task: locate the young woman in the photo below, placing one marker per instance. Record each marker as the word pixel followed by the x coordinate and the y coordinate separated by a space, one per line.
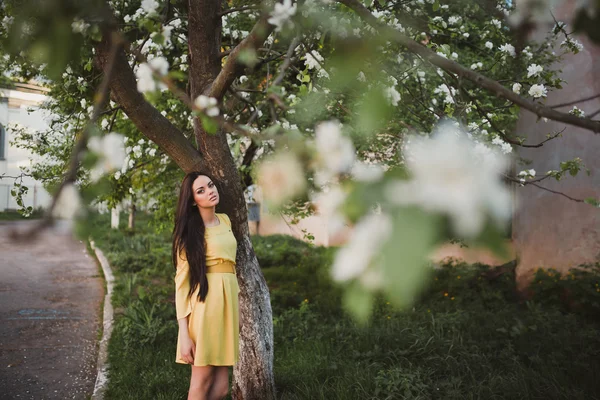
pixel 206 285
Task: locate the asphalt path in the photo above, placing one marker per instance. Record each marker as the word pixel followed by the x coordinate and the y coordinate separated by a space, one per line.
pixel 51 293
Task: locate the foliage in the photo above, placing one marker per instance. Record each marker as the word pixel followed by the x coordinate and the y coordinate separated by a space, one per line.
pixel 521 349
pixel 341 71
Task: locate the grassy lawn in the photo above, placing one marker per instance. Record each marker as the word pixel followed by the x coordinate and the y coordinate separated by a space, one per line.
pixel 468 337
pixel 15 216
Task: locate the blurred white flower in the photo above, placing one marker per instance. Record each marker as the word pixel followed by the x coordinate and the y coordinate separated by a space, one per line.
pixel 68 204
pixel 335 151
pixel 281 177
pixel 111 152
pixel 449 175
pixel 489 45
pixel 516 88
pixel 328 202
pixel 363 172
pixel 145 78
pixel 79 26
pixel 208 105
pixel 358 258
pixel 281 14
pixel 149 6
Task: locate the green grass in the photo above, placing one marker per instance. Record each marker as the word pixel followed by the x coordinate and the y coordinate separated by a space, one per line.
pixel 469 336
pixel 15 216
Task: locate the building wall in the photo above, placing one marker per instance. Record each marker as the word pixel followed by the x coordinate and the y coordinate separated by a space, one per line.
pixel 549 230
pixel 14 105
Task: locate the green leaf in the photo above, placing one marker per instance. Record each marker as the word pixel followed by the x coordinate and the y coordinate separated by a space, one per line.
pixel 248 57
pixel 209 124
pixel 592 201
pixel 404 256
pixel 358 301
pixel 436 5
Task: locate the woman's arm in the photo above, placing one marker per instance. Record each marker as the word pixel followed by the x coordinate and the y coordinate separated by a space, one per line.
pixel 182 288
pixel 184 308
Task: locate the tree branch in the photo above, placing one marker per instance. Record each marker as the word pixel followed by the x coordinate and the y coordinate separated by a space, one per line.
pixel 478 79
pixel 233 68
pixel 145 116
pixel 570 103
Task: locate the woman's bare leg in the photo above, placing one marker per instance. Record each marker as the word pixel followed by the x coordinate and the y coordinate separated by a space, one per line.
pixel 200 382
pixel 220 386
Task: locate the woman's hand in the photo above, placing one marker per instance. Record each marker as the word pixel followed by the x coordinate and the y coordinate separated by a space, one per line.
pixel 187 347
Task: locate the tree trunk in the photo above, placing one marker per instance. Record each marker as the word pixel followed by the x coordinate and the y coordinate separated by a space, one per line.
pixel 132 210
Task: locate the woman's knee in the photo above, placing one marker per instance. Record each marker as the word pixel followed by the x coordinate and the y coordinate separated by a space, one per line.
pixel 221 383
pixel 201 379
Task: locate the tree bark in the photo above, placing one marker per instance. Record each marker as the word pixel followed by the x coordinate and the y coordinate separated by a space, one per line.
pixel 132 210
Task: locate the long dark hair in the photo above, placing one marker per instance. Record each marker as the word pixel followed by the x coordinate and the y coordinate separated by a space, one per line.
pixel 188 235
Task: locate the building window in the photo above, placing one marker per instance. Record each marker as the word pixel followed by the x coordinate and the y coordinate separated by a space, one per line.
pixel 2 140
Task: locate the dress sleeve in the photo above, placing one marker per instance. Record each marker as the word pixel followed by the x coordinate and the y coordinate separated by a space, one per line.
pixel 182 287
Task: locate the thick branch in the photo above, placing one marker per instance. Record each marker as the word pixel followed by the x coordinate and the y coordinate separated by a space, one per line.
pixel 478 79
pixel 144 116
pixel 233 68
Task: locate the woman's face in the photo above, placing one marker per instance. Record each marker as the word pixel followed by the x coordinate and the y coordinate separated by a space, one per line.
pixel 205 192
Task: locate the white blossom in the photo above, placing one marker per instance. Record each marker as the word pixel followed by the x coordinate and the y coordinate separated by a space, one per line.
pixel 281 177
pixel 145 78
pixel 363 172
pixel 281 14
pixel 149 6
pixel 7 22
pixel 489 45
pixel 334 151
pixel 359 257
pixel 534 70
pixel 516 88
pixel 207 104
pixel 110 149
pixel 577 112
pixel 504 146
pixel 572 44
pixel 79 26
pixel 454 19
pixel 446 90
pixel 449 175
pixel 508 49
pixel 313 60
pixel 392 95
pixel 68 204
pixel 537 91
pixel 526 174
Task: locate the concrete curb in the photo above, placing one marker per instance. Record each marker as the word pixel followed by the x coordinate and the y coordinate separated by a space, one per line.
pixel 102 366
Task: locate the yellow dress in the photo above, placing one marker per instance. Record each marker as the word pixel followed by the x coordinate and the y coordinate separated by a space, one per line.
pixel 213 324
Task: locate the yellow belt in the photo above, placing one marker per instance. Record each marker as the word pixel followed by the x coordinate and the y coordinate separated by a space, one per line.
pixel 223 266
